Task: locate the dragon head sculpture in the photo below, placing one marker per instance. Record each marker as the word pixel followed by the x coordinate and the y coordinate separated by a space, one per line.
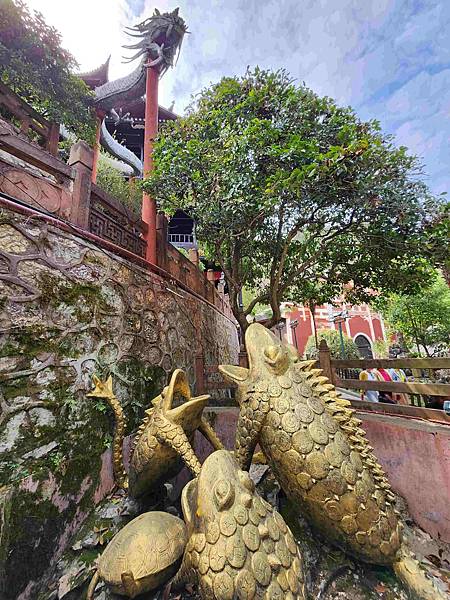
pixel 160 37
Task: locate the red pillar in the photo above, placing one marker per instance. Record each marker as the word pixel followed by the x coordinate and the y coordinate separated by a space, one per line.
pixel 151 129
pixel 100 117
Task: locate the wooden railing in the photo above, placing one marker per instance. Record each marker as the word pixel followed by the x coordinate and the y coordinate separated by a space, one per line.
pixel 36 178
pixel 29 120
pixel 337 369
pixel 111 220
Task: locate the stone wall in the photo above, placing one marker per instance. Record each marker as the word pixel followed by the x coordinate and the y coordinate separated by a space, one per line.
pixel 69 309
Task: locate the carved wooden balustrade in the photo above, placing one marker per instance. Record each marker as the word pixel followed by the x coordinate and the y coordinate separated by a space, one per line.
pixel 110 220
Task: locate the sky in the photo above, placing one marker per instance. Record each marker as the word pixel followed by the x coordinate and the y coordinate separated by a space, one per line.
pixel 388 59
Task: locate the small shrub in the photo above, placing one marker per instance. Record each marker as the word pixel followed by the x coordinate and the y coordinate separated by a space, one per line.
pixel 113 182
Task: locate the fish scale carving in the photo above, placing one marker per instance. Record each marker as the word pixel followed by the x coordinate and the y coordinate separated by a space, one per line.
pixel 316 448
pixel 239 545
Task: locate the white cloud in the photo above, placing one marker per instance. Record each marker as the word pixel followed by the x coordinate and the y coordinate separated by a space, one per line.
pixel 378 56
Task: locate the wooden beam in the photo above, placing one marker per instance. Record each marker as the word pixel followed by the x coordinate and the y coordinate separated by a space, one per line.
pixel 426 389
pixel 392 363
pixel 32 154
pixel 416 412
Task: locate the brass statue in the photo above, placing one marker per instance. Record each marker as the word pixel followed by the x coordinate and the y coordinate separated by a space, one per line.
pixel 319 453
pixel 239 546
pixel 141 556
pixel 165 435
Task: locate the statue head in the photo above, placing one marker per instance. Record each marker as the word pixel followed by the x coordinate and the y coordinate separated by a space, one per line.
pixel 163 30
pixel 268 356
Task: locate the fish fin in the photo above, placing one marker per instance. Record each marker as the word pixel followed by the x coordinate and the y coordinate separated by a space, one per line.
pixel 409 570
pixel 188 415
pixel 178 384
pixel 233 373
pixel 208 432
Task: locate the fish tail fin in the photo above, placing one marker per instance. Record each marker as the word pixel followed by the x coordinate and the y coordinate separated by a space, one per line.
pixel 103 389
pixel 92 586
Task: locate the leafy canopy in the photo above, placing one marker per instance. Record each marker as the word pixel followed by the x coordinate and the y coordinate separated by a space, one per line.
pixel 422 318
pixel 286 187
pixel 112 181
pixel 38 69
pixel 333 340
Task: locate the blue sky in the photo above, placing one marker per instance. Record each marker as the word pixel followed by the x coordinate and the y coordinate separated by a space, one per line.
pixel 389 59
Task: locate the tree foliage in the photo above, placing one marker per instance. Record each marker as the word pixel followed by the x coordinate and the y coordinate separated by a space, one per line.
pixel 287 187
pixel 333 340
pixel 422 318
pixel 112 181
pixel 38 69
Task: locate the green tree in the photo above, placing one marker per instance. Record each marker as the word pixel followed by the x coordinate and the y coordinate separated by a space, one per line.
pixel 422 318
pixel 285 186
pixel 438 239
pixel 333 340
pixel 38 69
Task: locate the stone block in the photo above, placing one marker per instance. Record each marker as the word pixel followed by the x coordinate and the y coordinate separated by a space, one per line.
pixel 81 153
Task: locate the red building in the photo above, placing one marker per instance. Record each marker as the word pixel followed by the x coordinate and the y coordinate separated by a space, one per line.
pixel 363 324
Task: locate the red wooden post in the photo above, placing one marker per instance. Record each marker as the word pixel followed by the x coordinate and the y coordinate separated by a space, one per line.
pixel 325 361
pixel 53 139
pixel 161 237
pixel 151 129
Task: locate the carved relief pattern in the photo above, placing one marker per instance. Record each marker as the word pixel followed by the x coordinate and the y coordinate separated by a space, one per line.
pixel 139 314
pixel 110 224
pixel 35 191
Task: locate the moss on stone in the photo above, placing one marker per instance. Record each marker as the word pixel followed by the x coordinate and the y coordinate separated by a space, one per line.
pixel 84 297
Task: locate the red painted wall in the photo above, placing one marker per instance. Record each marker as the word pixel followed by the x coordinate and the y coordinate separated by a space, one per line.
pixel 357 323
pixel 378 330
pixel 416 457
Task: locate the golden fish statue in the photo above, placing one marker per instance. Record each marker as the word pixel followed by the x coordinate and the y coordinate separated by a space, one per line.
pixel 319 453
pixel 238 545
pixel 164 438
pixel 141 556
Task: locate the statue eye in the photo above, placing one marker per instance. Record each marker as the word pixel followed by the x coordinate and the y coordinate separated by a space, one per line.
pixel 223 494
pixel 272 352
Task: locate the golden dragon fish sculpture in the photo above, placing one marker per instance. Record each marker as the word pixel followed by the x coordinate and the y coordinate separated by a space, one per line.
pixel 233 546
pixel 164 439
pixel 319 453
pixel 239 546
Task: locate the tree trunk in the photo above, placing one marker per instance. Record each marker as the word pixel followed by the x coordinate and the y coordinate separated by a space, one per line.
pixel 237 310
